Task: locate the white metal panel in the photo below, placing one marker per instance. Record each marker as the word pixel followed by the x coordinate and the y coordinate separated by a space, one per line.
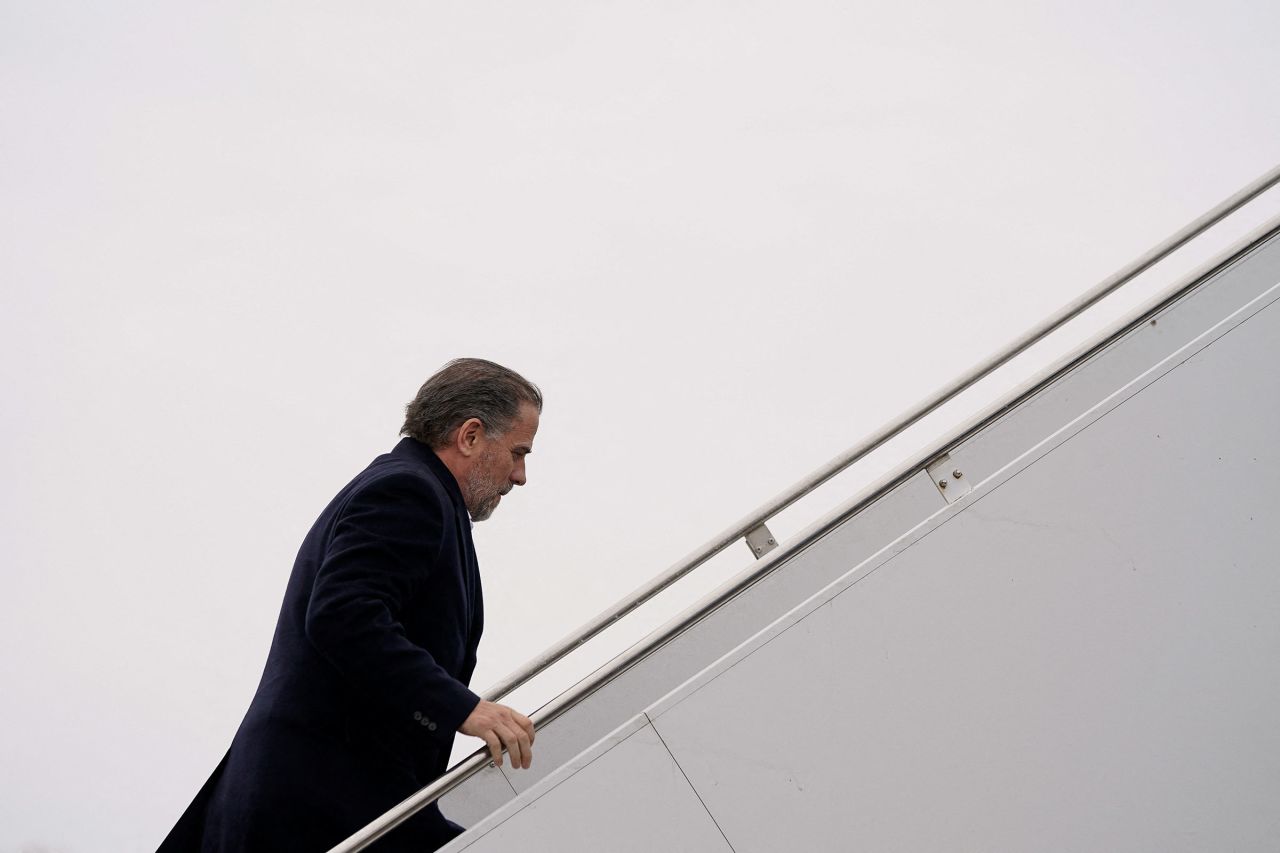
pixel 702 644
pixel 626 795
pixel 1082 658
pixel 981 455
pixel 483 794
pixel 1139 348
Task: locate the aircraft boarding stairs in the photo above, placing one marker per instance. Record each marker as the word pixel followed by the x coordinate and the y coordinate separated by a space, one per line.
pixel 1059 629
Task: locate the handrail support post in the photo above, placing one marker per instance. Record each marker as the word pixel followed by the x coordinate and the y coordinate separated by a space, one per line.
pixel 760 540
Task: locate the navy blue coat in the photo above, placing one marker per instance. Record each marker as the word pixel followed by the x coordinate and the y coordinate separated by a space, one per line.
pixel 365 684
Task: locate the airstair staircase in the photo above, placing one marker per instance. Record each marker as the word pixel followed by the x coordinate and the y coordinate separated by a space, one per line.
pixel 1058 629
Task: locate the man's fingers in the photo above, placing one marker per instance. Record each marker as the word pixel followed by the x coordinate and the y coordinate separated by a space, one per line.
pixel 502 728
pixel 495 748
pixel 514 747
pixel 518 747
pixel 525 723
pixel 526 749
pixel 523 729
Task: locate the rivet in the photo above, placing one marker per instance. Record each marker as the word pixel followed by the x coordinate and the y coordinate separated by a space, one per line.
pixel 957 473
pixel 942 484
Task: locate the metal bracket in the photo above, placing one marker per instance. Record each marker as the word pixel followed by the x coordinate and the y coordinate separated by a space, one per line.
pixel 949 479
pixel 760 541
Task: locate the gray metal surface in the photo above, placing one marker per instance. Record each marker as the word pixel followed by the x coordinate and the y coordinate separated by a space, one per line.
pixel 698 645
pixel 1078 655
pixel 483 794
pixel 1099 369
pixel 1085 657
pixel 627 795
pixel 761 540
pixel 947 475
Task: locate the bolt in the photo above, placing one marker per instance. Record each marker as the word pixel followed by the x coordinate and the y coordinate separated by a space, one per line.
pixel 771 542
pixel 942 484
pixel 957 473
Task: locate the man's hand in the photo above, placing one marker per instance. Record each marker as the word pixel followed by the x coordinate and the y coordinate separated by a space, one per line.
pixel 502 727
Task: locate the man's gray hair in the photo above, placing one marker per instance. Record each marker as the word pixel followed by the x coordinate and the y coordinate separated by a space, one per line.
pixel 467 388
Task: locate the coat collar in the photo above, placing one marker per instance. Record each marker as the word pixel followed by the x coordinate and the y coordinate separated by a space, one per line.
pixel 411 448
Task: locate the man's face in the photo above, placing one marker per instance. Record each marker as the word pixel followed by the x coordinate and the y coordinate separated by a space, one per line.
pixel 500 464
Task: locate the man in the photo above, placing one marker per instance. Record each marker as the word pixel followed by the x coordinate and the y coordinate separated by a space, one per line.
pixel 366 681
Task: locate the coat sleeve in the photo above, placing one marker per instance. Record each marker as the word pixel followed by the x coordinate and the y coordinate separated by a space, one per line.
pixel 384 544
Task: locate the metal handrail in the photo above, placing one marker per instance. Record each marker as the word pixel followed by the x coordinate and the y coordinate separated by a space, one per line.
pixel 754 520
pixel 768 510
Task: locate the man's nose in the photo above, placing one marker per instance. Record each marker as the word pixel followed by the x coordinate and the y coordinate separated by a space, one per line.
pixel 517 474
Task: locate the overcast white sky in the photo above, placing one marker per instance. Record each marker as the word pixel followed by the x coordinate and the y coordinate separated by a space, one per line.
pixel 727 239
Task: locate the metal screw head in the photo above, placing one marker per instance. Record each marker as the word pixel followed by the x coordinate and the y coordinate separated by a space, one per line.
pixel 957 473
pixel 942 484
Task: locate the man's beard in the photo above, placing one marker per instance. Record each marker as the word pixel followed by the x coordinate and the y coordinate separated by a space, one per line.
pixel 482 492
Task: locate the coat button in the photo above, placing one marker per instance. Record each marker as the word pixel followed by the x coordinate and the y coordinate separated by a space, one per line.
pixel 431 727
pixel 417 715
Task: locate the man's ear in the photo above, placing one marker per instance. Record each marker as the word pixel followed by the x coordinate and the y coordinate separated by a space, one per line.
pixel 467 439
